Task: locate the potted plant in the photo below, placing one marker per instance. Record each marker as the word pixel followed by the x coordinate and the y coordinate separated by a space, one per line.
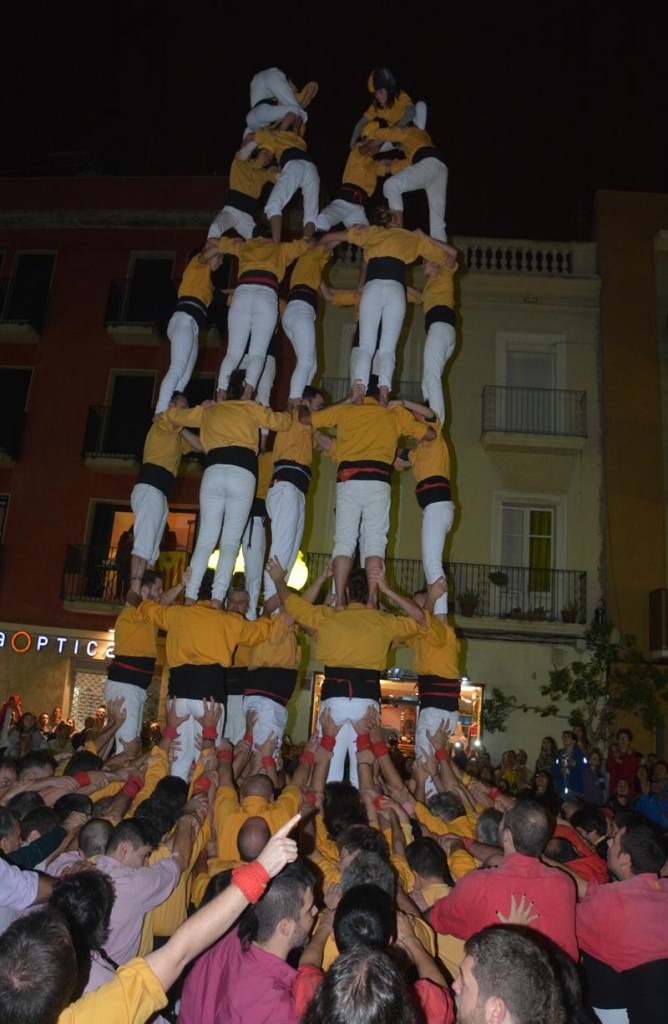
pixel 468 602
pixel 569 612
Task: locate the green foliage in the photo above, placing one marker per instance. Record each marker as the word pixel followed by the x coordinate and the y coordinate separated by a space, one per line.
pixel 614 677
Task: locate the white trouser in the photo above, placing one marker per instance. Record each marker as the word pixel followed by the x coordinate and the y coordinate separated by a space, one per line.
pixel 297 174
pixel 619 1016
pixel 432 176
pixel 134 699
pixel 150 510
pixel 340 212
pixel 254 546
pixel 420 118
pixel 345 711
pixel 271 717
pixel 436 522
pixel 354 353
pixel 225 497
pixel 285 506
pixel 183 334
pixel 271 84
pixel 265 383
pixel 383 304
pixel 188 733
pixel 362 509
pixel 438 347
pixel 252 316
pixel 235 720
pixel 429 720
pixel 229 217
pixel 299 326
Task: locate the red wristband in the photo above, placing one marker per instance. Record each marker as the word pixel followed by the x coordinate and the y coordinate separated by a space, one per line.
pixel 248 738
pixel 494 792
pixel 378 802
pixel 251 879
pixel 364 742
pixel 308 757
pixel 224 755
pixel 311 797
pixel 380 749
pixel 170 732
pixel 328 742
pixel 441 754
pixel 202 784
pixel 133 786
pixel 82 778
pixel 209 732
pixel 268 761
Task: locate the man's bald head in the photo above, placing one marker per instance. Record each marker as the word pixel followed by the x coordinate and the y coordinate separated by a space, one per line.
pixel 257 785
pixel 253 836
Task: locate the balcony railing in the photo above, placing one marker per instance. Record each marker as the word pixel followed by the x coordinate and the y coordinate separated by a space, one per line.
pixel 12 427
pixel 492 591
pixel 20 311
pixel 534 411
pixel 338 387
pixel 115 434
pixel 528 256
pixel 92 574
pixel 130 305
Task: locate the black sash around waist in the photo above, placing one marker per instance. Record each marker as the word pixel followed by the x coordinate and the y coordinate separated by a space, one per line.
pixel 365 469
pixel 294 153
pixel 433 489
pixel 271 101
pixel 439 692
pixel 233 455
pixel 351 682
pixel 386 268
pixel 287 471
pixel 194 307
pixel 277 684
pixel 129 668
pixel 264 277
pixel 235 680
pixel 304 293
pixel 198 682
pixel 240 201
pixel 158 477
pixel 425 152
pixel 440 315
pixel 350 193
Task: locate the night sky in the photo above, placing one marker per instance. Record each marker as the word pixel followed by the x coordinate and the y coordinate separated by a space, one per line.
pixel 535 105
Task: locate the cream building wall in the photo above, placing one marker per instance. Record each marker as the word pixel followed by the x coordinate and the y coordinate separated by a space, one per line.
pixel 549 302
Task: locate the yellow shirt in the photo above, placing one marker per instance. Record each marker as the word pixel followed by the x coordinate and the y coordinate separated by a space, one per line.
pixel 410 138
pixel 450 950
pixel 262 254
pixel 361 170
pixel 462 826
pixel 308 268
pixel 196 281
pixel 278 142
pixel 295 444
pixel 201 882
pixel 172 912
pixel 131 997
pixel 439 289
pixel 430 458
pixel 347 297
pixel 398 243
pixel 368 431
pixel 358 637
pixel 230 815
pixel 230 423
pixel 248 176
pixel 134 636
pixel 436 650
pixel 280 650
pixel 265 470
pixel 391 114
pixel 200 635
pixel 164 445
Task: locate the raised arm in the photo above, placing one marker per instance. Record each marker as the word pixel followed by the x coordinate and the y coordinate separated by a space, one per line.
pixel 405 603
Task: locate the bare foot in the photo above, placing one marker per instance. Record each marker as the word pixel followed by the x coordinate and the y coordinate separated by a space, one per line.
pixel 384 395
pixel 359 391
pixel 215 603
pixel 221 395
pixel 188 601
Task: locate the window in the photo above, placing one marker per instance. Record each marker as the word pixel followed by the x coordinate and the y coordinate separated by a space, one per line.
pixel 129 413
pixel 530 369
pixel 4 505
pixel 151 296
pixel 529 545
pixel 14 390
pixel 28 290
pixel 200 388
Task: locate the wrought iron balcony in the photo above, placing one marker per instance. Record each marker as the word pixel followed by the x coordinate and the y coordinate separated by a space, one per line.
pixel 534 411
pixel 130 305
pixel 492 591
pixel 92 574
pixel 113 433
pixel 22 311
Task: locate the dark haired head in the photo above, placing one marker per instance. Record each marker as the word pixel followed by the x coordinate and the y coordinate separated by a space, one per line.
pixel 363 837
pixel 427 859
pixel 363 986
pixel 253 836
pixel 83 761
pixel 365 916
pixel 8 830
pixel 262 229
pixel 487 826
pixel 38 969
pixel 644 846
pixel 85 899
pixel 24 802
pixel 94 836
pixel 40 820
pixel 149 578
pixel 236 385
pixel 369 869
pixel 71 803
pixel 283 899
pixel 446 806
pixel 37 764
pixel 342 806
pixel 358 587
pixel 309 393
pixel 529 825
pixel 383 78
pixel 133 831
pixel 217 884
pixel 590 819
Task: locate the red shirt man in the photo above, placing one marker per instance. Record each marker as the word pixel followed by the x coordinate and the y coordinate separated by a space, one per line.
pixel 622 762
